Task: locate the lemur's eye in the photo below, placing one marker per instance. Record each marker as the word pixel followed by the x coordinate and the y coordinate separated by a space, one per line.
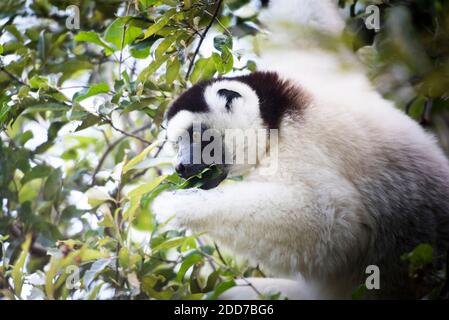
pixel 229 95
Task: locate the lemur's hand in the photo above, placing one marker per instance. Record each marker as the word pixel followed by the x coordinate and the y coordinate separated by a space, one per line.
pixel 171 204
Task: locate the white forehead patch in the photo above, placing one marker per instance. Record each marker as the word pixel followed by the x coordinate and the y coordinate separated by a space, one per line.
pixel 217 102
pixel 179 123
pixel 245 112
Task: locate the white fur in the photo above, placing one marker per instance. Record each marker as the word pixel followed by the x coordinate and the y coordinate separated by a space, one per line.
pixel 307 220
pixel 244 112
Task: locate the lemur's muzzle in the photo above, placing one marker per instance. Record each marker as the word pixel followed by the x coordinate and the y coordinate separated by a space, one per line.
pixel 187 170
pixel 193 161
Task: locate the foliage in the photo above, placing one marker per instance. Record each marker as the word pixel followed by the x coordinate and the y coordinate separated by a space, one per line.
pixel 81 115
pixel 99 95
pixel 409 56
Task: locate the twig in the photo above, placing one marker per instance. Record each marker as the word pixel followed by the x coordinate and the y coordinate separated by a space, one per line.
pixel 111 147
pixel 208 258
pixel 220 255
pixel 13 77
pixel 247 282
pixel 221 24
pixel 197 50
pixel 160 148
pixel 133 70
pixel 121 50
pixel 132 135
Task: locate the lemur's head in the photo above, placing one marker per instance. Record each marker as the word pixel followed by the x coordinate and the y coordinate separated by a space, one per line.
pixel 205 120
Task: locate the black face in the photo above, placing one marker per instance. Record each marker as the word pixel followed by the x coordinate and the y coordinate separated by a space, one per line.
pixel 206 169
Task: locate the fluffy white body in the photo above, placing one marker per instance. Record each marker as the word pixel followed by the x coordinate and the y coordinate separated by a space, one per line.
pixel 315 220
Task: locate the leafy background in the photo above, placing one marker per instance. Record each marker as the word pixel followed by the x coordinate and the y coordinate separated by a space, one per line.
pixel 82 153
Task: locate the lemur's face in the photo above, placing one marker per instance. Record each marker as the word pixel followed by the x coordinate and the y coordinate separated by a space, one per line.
pixel 200 122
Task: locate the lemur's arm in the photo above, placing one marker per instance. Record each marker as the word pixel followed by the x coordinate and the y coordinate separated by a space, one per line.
pixel 243 205
pixel 278 225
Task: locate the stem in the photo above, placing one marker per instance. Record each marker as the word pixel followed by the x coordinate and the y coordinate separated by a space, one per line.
pixel 192 62
pixel 132 135
pixel 111 147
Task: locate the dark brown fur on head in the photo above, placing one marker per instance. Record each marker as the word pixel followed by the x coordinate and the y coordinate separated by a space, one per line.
pixel 277 97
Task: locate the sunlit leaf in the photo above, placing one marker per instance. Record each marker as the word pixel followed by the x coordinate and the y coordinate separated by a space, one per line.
pixel 91 91
pixel 92 37
pixel 18 271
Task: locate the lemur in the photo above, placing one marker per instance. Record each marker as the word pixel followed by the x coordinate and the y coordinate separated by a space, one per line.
pixel 358 182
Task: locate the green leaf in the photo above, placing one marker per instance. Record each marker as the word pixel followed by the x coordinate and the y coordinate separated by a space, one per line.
pixel 141 49
pixel 121 31
pixel 212 280
pixel 26 136
pixel 147 187
pixel 164 46
pixel 159 23
pixel 96 268
pixel 222 287
pixel 92 37
pixel 53 185
pixel 50 106
pixel 29 191
pixel 93 295
pixel 123 257
pixel 107 221
pixel 420 256
pixel 4 112
pixel 92 91
pixel 188 262
pixel 141 156
pixel 223 62
pixel 38 82
pixel 204 70
pixel 176 242
pixel 39 171
pixel 172 72
pixel 42 46
pixel 359 292
pixel 222 42
pixel 96 196
pixel 152 68
pixel 18 272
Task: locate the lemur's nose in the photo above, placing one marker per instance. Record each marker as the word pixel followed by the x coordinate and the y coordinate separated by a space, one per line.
pixel 180 168
pixel 187 170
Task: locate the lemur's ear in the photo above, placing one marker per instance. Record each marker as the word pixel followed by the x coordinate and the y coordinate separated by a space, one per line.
pixel 229 95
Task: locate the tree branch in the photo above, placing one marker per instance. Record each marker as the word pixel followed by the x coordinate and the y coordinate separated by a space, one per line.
pixel 13 77
pixel 132 134
pixel 111 147
pixel 247 282
pixel 197 50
